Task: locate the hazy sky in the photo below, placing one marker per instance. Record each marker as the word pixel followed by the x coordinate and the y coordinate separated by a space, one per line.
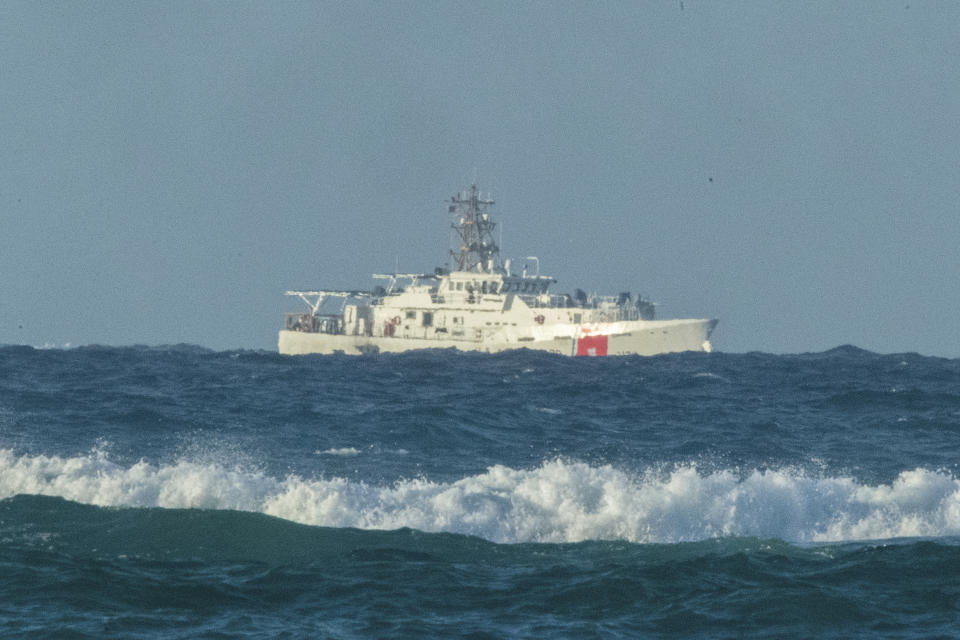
pixel 168 170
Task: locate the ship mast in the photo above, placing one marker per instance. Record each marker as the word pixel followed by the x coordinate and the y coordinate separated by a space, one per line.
pixel 477 251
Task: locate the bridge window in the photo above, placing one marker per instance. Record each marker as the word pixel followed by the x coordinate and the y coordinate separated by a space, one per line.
pixel 427 318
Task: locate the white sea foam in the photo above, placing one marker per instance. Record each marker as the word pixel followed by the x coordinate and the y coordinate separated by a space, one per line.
pixel 353 451
pixel 559 501
pixel 340 451
pixel 711 376
pixel 549 411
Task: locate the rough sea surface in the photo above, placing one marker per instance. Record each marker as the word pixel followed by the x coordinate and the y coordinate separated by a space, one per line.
pixel 176 492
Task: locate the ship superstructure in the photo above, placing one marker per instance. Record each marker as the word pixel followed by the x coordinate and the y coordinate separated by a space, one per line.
pixel 481 304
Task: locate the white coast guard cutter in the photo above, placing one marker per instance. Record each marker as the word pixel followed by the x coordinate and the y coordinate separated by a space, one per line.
pixel 482 305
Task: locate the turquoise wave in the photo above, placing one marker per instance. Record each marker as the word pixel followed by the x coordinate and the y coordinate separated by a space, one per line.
pixel 152 572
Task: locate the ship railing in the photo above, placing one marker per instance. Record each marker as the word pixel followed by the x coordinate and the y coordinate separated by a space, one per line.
pixel 619 314
pixel 315 299
pixel 395 279
pixel 608 306
pixel 542 301
pixel 299 322
pixel 554 301
pixel 311 323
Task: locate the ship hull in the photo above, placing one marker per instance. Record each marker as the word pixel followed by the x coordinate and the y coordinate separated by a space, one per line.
pixel 638 337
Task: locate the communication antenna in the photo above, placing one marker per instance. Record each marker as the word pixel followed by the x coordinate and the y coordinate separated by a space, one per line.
pixel 477 250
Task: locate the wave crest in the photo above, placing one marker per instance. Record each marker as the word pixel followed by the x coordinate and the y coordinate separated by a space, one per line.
pixel 559 501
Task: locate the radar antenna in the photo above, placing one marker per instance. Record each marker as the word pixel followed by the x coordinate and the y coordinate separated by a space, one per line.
pixel 477 251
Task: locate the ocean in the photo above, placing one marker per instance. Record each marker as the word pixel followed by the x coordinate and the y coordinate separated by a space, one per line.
pixel 178 492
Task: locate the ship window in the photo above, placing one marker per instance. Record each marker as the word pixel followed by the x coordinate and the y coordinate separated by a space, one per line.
pixel 483 287
pixel 459 286
pixel 411 314
pixel 427 318
pixel 493 287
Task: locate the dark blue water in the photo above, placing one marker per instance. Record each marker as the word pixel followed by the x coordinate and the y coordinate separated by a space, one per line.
pixel 175 492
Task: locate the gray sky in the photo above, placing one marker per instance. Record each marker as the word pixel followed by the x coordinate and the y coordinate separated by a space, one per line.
pixel 167 170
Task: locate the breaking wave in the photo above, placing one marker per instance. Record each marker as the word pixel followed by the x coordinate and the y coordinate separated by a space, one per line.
pixel 559 501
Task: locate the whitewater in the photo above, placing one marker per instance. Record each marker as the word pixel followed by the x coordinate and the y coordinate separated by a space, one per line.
pixel 178 492
pixel 559 501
